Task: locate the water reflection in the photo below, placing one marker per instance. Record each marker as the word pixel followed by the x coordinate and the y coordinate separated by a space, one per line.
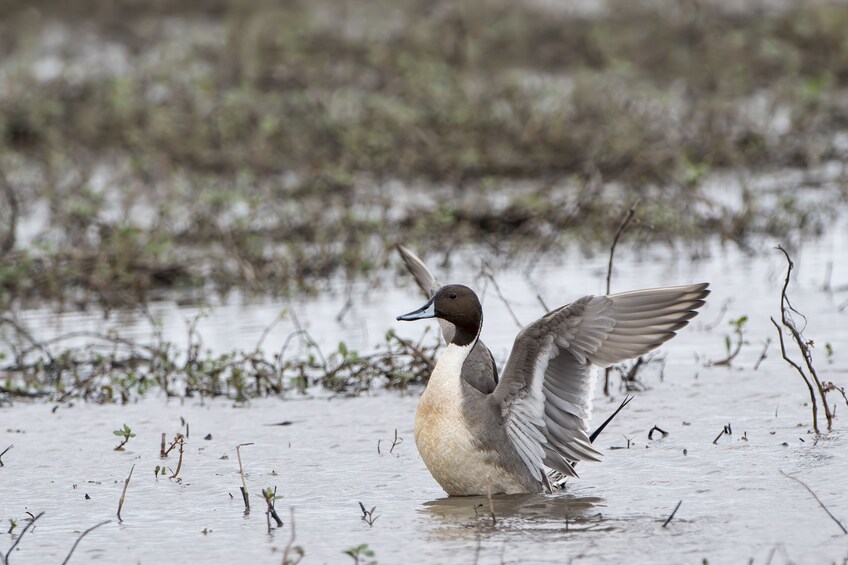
pixel 563 511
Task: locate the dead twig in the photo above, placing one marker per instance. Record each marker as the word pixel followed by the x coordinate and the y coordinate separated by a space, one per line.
pixel 673 512
pixel 786 358
pixel 395 442
pixel 4 453
pixel 732 352
pixel 20 537
pixel 181 442
pixel 763 353
pixel 79 539
pixel 291 547
pixel 491 504
pixel 726 430
pixel 348 303
pixel 786 311
pixel 621 228
pixel 243 482
pixel 629 377
pixel 268 329
pixel 828 273
pixel 491 277
pixel 656 429
pixel 8 241
pixel 124 492
pixel 299 329
pixel 829 513
pixel 416 351
pixel 164 452
pixel 829 387
pixel 719 318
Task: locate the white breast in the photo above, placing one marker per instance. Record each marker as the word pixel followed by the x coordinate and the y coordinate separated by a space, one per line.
pixel 444 439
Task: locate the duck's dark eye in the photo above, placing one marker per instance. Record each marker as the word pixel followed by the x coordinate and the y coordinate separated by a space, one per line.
pixel 453 295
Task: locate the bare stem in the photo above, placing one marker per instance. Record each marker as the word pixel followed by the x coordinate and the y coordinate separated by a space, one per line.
pixel 243 482
pixel 621 228
pixel 181 442
pixel 4 453
pixel 763 353
pixel 291 547
pixel 727 361
pixel 124 492
pixel 20 537
pixel 503 299
pixel 829 513
pixel 673 512
pixel 7 243
pixel 416 351
pixel 79 539
pixel 786 311
pixel 396 441
pixel 491 504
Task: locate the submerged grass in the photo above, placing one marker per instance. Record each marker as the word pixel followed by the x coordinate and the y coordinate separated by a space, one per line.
pixel 269 146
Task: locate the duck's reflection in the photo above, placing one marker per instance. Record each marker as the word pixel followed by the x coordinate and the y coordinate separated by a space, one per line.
pixel 561 511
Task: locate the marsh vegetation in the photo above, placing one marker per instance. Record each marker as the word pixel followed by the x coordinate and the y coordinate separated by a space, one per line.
pixel 272 146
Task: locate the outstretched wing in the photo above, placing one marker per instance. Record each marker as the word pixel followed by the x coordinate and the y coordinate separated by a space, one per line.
pixel 545 394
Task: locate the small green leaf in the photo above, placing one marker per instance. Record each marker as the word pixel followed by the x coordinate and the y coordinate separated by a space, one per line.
pixel 739 322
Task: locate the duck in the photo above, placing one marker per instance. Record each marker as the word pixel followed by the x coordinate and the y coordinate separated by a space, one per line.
pixel 532 423
pixel 480 369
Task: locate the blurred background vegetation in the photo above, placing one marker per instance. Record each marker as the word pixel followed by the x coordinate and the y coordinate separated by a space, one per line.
pixel 147 145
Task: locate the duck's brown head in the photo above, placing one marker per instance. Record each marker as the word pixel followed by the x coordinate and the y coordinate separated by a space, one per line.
pixel 456 304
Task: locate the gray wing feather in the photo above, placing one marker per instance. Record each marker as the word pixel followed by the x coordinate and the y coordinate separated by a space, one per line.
pixel 545 395
pixel 422 275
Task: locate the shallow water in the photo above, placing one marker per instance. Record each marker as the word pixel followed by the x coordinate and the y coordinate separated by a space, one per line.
pixel 736 504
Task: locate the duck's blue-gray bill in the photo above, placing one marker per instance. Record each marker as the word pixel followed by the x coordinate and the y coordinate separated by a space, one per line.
pixel 426 311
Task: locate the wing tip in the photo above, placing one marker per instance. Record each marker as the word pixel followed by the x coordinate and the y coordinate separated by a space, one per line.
pixel 418 269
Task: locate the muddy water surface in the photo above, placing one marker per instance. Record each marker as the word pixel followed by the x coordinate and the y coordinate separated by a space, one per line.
pixel 736 504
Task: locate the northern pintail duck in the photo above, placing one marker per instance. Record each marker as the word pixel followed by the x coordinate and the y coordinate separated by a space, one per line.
pixel 535 419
